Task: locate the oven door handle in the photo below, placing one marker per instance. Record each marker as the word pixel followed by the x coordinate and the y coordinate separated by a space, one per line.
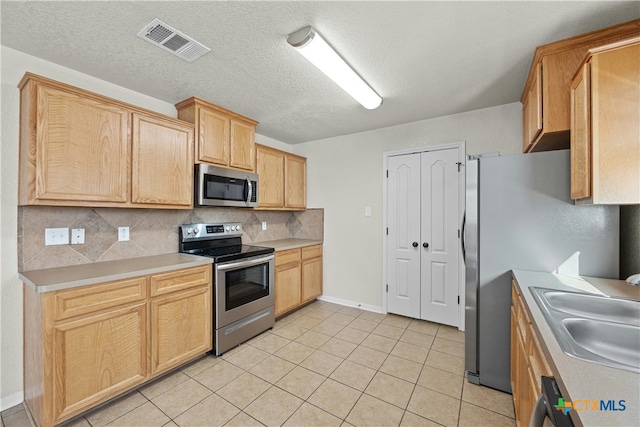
pixel 243 263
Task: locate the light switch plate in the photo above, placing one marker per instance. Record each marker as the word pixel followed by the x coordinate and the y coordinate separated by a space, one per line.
pixel 77 236
pixel 123 234
pixel 367 211
pixel 56 236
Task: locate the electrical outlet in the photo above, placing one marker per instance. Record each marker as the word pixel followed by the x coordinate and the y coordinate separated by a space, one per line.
pixel 123 234
pixel 264 225
pixel 77 236
pixel 56 236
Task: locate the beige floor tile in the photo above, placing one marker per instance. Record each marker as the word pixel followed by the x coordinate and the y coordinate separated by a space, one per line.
pixel 368 357
pixel 474 416
pixel 424 327
pixel 363 324
pixel 374 317
pixel 271 343
pixel 412 420
pixel 182 397
pixel 163 384
pixel 488 398
pixel 380 343
pixel 446 362
pixel 397 321
pixel 247 357
pixel 272 369
pixel 115 409
pixel 171 424
pixel 328 305
pixel 390 389
pixel 417 338
pixel 351 311
pixel 388 331
pixel 352 335
pixel 410 352
pixel 19 418
pixel 322 363
pixel 434 406
pixel 274 407
pixel 328 328
pixel 320 313
pixel 243 390
pixel 370 411
pixel 401 368
pixel 243 420
pixel 12 410
pixel 441 381
pixel 306 322
pixel 313 339
pixel 301 382
pixel 78 422
pixel 218 375
pixel 290 331
pixel 200 365
pixel 311 416
pixel 338 347
pixel 450 333
pixel 295 352
pixel 212 411
pixel 341 319
pixel 335 398
pixel 146 415
pixel 447 346
pixel 353 375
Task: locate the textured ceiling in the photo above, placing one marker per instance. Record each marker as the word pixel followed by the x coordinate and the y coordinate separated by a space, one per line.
pixel 426 59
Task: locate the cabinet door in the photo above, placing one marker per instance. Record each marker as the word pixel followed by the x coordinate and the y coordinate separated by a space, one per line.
pixel 311 278
pixel 82 148
pixel 296 182
pixel 242 146
pixel 213 137
pixel 97 357
pixel 181 325
pixel 162 162
pixel 287 288
pixel 581 135
pixel 270 169
pixel 532 110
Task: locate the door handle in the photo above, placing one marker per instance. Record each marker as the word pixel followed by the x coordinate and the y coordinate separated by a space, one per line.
pixel 415 244
pixel 425 245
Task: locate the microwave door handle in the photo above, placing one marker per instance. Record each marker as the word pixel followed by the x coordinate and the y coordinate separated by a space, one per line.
pixel 249 192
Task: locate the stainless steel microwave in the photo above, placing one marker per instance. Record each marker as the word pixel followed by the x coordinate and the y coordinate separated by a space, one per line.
pixel 216 186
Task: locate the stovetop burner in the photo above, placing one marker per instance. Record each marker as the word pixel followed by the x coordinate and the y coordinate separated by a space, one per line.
pixel 222 242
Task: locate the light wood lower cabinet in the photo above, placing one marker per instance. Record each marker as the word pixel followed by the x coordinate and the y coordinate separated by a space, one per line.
pixel 528 362
pixel 86 345
pixel 298 277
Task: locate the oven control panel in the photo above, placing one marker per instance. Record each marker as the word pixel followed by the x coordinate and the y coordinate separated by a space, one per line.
pixel 210 231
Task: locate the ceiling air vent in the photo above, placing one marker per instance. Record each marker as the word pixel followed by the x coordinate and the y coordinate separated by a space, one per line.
pixel 172 40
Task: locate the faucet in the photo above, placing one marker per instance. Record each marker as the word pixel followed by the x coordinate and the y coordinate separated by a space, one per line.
pixel 634 279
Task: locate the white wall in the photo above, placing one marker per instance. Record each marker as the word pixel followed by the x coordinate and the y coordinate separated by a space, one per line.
pixel 13 66
pixel 345 174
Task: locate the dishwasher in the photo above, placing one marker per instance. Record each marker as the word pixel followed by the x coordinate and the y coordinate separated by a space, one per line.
pixel 544 412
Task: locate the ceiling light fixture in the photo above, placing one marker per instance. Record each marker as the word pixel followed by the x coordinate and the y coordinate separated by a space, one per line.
pixel 313 47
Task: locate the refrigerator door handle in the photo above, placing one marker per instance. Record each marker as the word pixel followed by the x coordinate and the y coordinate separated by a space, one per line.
pixel 463 237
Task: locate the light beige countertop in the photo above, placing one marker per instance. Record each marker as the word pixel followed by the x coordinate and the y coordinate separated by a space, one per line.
pixel 284 244
pixel 581 380
pixel 55 279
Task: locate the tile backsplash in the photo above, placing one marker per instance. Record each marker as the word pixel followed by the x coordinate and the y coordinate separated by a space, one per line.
pixel 152 231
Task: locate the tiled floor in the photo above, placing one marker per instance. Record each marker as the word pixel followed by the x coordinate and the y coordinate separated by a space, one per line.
pixel 324 365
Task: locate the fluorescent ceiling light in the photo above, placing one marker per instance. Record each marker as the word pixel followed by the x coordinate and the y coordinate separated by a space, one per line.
pixel 319 53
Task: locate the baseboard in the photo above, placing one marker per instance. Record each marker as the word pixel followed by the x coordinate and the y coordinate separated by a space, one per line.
pixel 348 303
pixel 11 401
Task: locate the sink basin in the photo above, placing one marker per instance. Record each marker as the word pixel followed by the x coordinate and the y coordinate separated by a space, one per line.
pixel 594 328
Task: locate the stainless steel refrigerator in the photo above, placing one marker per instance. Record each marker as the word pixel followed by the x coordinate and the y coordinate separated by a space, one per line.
pixel 519 216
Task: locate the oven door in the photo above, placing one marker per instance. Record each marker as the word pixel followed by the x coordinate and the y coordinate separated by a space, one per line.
pixel 242 288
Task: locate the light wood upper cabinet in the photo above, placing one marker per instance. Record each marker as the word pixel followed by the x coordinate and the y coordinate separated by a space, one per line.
pixel 223 137
pixel 78 148
pixel 546 98
pixel 282 179
pixel 605 138
pixel 162 161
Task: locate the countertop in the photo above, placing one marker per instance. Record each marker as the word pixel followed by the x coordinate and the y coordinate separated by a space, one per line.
pixel 578 379
pixel 284 244
pixel 55 279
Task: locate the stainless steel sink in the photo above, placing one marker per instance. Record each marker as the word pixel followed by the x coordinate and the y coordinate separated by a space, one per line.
pixel 594 328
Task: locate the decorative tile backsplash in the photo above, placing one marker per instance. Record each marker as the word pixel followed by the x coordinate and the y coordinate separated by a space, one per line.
pixel 151 231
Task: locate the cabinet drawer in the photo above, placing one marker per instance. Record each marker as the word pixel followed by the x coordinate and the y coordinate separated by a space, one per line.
pixel 311 251
pixel 90 299
pixel 285 257
pixel 181 279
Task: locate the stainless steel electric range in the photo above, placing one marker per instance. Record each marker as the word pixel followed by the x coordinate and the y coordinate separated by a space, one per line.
pixel 243 294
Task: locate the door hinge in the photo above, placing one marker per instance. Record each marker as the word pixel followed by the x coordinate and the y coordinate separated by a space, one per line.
pixel 387 288
pixel 458 233
pixel 387 231
pixel 459 164
pixel 458 299
pixel 387 174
